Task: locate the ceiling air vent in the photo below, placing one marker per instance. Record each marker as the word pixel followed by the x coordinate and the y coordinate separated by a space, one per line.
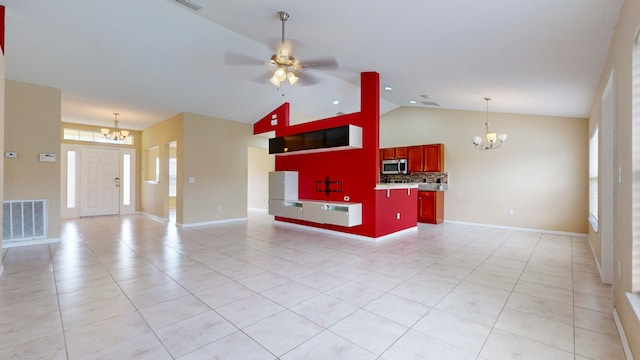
pixel 190 4
pixel 429 103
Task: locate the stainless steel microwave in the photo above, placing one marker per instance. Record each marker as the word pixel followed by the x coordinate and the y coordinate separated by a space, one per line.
pixel 397 166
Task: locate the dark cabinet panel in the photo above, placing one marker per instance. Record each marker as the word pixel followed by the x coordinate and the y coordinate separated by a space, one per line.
pixel 318 140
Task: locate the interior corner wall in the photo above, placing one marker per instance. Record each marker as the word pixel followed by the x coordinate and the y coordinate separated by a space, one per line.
pixel 32 126
pixel 620 60
pixel 154 196
pixel 259 166
pixel 540 172
pixel 216 158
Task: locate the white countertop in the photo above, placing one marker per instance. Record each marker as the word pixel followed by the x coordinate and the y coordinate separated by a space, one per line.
pixel 393 186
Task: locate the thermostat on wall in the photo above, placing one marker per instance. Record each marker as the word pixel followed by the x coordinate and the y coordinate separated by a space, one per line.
pixel 47 157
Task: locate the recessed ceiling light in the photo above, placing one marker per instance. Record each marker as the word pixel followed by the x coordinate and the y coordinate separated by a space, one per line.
pixel 412 101
pixel 388 88
pixel 336 102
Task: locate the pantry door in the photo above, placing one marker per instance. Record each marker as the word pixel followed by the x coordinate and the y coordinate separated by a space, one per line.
pixel 100 181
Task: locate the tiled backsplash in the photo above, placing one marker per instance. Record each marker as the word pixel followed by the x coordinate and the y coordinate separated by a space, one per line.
pixel 427 177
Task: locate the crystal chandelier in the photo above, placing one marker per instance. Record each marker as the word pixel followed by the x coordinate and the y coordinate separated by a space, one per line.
pixel 490 140
pixel 116 134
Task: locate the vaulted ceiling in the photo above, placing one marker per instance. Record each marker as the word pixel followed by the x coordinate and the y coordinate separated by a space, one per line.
pixel 151 59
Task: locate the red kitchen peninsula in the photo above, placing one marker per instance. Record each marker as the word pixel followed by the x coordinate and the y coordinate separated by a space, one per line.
pixel 336 166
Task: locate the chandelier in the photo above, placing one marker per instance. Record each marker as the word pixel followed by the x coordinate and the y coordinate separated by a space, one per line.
pixel 490 140
pixel 116 134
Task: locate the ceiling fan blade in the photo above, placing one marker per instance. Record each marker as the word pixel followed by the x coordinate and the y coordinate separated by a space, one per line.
pixel 233 58
pixel 307 79
pixel 328 63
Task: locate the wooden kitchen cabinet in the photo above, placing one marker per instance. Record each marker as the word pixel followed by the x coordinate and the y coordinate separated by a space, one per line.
pixel 431 207
pixel 425 158
pixel 414 159
pixel 393 153
pixel 433 157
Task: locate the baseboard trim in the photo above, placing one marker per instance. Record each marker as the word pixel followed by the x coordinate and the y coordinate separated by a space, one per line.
pixel 208 223
pixel 623 336
pixel 155 217
pixel 551 232
pixel 346 235
pixel 7 245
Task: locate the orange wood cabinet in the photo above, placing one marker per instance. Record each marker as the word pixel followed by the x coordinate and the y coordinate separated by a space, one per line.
pixel 393 153
pixel 433 157
pixel 425 158
pixel 431 207
pixel 414 159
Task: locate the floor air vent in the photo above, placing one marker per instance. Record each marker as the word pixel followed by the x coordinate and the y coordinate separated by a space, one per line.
pixel 23 220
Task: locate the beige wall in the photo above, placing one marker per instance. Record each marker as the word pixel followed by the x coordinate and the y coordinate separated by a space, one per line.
pixel 32 126
pixel 540 172
pixel 154 197
pixel 260 164
pixel 620 60
pixel 215 155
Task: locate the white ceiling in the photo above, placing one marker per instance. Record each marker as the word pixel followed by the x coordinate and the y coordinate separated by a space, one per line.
pixel 152 59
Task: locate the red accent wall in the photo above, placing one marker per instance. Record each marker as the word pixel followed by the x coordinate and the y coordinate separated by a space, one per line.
pixel 276 120
pixel 2 29
pixel 357 169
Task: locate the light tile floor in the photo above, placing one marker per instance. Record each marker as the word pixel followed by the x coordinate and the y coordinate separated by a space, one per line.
pixel 132 287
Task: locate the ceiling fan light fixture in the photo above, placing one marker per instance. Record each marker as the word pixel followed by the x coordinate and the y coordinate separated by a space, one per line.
pixel 292 78
pixel 274 80
pixel 280 73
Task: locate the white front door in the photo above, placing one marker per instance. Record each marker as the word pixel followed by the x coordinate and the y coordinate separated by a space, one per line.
pixel 100 181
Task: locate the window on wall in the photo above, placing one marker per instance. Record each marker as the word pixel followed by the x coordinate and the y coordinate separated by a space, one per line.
pixel 71 179
pixel 152 161
pixel 126 179
pixel 636 167
pixel 593 179
pixel 93 136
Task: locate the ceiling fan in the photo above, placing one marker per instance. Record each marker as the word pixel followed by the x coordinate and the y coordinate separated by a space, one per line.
pixel 285 66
